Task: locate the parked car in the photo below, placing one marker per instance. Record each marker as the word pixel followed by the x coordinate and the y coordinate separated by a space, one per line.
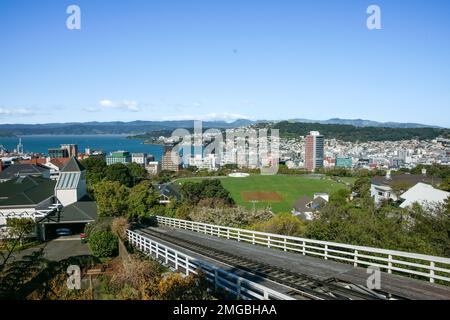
pixel 63 232
pixel 83 237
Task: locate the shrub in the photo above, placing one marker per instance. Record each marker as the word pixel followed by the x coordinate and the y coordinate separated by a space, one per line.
pixel 285 224
pixel 173 286
pixel 103 244
pixel 229 217
pixel 102 224
pixel 119 227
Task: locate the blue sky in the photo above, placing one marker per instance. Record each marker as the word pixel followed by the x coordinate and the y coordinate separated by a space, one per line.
pixel 258 59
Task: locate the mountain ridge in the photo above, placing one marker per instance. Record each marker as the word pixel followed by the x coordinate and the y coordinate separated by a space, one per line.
pixel 144 126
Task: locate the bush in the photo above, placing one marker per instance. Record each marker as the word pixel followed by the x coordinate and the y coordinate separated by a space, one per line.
pixel 285 224
pixel 104 244
pixel 176 287
pixel 119 227
pixel 102 224
pixel 229 217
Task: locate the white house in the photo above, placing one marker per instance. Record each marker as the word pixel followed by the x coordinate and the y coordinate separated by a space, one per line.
pixel 384 188
pixel 71 185
pixel 423 194
pixel 305 207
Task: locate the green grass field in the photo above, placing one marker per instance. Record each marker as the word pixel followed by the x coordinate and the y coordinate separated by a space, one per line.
pixel 289 187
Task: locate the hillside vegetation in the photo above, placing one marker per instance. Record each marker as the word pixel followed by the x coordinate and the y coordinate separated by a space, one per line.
pixel 353 134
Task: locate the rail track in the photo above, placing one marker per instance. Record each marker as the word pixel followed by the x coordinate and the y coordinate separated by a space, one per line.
pixel 300 286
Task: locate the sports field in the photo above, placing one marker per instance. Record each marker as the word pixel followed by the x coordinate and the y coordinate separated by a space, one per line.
pixel 278 191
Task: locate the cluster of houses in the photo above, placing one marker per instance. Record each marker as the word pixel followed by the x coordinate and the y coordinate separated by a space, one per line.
pixel 407 189
pixel 404 189
pixel 53 193
pixel 30 191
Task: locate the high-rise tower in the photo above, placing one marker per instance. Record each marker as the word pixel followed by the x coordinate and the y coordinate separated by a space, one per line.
pixel 314 151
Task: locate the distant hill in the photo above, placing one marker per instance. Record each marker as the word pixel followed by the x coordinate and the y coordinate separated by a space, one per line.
pixel 353 134
pixel 114 127
pixel 366 123
pixel 6 134
pixel 144 127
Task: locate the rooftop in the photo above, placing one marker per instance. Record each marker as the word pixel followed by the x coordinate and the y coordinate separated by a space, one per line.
pixel 22 169
pixel 68 180
pixel 423 194
pixel 84 210
pixel 408 179
pixel 59 162
pixel 26 191
pixel 73 165
pixel 168 190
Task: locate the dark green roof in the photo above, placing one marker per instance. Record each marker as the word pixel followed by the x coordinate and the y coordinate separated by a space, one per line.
pixel 22 169
pixel 73 166
pixel 84 210
pixel 26 191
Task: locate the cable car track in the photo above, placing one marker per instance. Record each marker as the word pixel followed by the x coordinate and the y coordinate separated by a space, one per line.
pixel 301 285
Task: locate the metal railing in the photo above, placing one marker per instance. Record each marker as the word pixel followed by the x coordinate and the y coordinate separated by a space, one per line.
pixel 414 264
pixel 235 285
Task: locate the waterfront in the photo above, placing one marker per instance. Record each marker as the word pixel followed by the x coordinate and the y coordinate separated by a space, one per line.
pixel 107 143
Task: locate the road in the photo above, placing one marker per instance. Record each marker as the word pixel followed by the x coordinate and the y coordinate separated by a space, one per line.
pixel 59 249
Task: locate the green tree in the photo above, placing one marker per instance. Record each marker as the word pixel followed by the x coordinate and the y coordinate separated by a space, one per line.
pixel 362 186
pixel 119 172
pixel 104 244
pixel 95 170
pixel 431 224
pixel 111 198
pixel 183 211
pixel 141 198
pixel 193 192
pixel 138 172
pixel 340 197
pixel 285 224
pixel 18 229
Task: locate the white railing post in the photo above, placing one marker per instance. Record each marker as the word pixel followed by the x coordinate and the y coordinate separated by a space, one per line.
pixel 166 256
pixel 176 261
pixel 432 272
pixel 187 265
pixel 157 250
pixel 392 260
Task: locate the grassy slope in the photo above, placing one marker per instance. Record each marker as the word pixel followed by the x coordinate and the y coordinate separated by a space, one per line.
pixel 289 187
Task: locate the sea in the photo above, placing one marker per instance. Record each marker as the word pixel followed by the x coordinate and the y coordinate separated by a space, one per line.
pixel 106 143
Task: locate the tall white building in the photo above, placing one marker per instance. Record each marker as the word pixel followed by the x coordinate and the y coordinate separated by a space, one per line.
pixel 139 158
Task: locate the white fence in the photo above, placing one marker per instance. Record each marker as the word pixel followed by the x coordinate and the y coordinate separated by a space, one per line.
pixel 237 286
pixel 419 265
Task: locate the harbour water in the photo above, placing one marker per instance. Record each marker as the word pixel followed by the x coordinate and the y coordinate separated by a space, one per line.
pixel 107 143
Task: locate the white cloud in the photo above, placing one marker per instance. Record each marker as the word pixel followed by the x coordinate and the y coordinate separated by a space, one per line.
pixel 228 117
pixel 127 105
pixel 15 112
pixel 92 109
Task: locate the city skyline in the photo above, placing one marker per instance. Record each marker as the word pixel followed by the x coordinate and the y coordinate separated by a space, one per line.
pixel 211 61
